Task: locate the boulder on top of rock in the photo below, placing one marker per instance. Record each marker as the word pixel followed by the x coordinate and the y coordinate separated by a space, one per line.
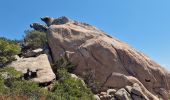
pixel 39 27
pixel 52 21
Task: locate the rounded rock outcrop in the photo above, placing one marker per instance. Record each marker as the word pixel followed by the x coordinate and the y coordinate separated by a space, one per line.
pixel 104 55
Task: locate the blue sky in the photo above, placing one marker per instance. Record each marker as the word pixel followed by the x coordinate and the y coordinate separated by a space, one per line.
pixel 144 24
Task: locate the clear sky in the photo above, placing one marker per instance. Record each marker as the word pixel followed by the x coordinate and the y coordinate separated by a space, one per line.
pixel 144 24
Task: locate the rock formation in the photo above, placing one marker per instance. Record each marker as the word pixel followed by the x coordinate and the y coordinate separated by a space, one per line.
pixel 39 27
pixel 35 68
pixel 115 64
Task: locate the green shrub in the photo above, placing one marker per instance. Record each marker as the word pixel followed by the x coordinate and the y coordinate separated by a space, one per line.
pixel 11 86
pixel 28 89
pixel 11 72
pixel 65 88
pixel 35 39
pixel 62 62
pixel 68 88
pixel 8 49
pixel 89 78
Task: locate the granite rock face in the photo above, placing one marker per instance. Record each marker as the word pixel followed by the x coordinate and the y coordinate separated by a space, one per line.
pixel 39 65
pixel 114 63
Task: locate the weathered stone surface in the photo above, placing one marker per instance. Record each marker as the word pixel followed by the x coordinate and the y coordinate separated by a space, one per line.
pixel 115 63
pixel 111 91
pixel 39 64
pixel 113 98
pixel 52 21
pixel 33 53
pixel 105 97
pixel 128 89
pixel 162 92
pixel 136 97
pixel 122 94
pixel 137 91
pixel 39 27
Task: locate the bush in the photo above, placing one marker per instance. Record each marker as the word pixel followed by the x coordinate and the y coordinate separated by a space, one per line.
pixel 11 86
pixel 89 78
pixel 8 49
pixel 63 63
pixel 28 89
pixel 65 88
pixel 35 39
pixel 68 88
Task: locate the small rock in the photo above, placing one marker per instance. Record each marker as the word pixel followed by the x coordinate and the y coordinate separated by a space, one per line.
pixel 17 57
pixel 105 97
pixel 96 97
pixel 136 97
pixel 74 76
pixel 122 94
pixel 111 91
pixel 113 98
pixel 136 90
pixel 38 50
pixel 128 89
pixel 33 53
pixel 103 93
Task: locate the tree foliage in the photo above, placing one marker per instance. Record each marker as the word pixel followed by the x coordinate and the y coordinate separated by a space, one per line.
pixel 11 86
pixel 8 49
pixel 65 88
pixel 35 39
pixel 69 88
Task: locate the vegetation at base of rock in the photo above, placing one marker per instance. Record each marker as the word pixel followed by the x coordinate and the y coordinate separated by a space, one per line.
pixel 11 85
pixel 63 63
pixel 10 71
pixel 89 78
pixel 35 39
pixel 67 87
pixel 8 48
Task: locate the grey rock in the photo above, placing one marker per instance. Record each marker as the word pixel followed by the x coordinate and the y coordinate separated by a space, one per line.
pixel 57 21
pixel 136 97
pixel 33 53
pixel 128 89
pixel 111 91
pixel 105 97
pixel 113 98
pixel 39 27
pixel 137 92
pixel 48 20
pixel 122 94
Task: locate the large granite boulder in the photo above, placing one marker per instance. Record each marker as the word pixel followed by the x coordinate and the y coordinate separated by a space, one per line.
pixel 109 58
pixel 39 65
